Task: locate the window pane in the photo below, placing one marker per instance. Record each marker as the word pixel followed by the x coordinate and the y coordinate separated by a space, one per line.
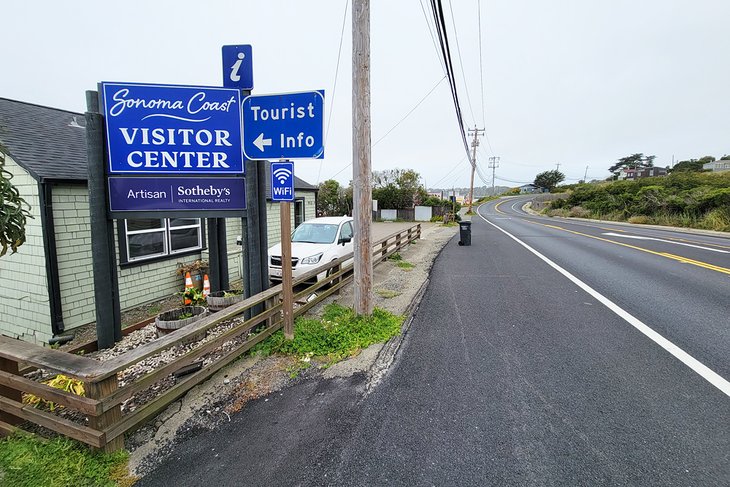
pixel 146 224
pixel 182 222
pixel 184 239
pixel 146 244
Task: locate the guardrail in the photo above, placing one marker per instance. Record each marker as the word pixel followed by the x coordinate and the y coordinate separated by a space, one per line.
pixel 104 394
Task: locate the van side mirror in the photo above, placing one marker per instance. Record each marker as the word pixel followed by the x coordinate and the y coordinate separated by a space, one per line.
pixel 344 240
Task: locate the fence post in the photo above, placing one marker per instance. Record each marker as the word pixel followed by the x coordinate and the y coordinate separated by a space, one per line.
pixel 336 282
pixel 11 366
pixel 384 247
pixel 100 390
pixel 418 231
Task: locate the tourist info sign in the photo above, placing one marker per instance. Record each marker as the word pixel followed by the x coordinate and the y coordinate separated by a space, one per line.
pixel 282 181
pixel 172 129
pixel 284 126
pixel 238 66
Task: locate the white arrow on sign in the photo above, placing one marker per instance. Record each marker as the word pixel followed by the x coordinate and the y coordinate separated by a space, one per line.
pixel 260 142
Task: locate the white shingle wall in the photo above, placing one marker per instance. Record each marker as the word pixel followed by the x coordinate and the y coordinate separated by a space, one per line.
pixel 24 303
pixel 73 250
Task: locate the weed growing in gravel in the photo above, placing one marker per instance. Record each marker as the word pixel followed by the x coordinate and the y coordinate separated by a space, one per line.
pixel 387 293
pixel 395 257
pixel 29 461
pixel 338 334
pixel 406 266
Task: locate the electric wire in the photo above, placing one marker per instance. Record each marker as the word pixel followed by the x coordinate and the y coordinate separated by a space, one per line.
pixel 334 86
pixel 398 123
pixel 440 22
pixel 433 38
pixel 457 165
pixel 461 64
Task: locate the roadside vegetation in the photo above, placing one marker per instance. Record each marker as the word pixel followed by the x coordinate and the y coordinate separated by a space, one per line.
pixel 339 333
pixel 30 461
pixel 682 199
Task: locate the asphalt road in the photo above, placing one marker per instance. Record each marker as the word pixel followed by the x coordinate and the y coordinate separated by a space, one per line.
pixel 593 369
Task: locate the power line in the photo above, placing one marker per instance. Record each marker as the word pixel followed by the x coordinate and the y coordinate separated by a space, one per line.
pixel 447 174
pixel 334 86
pixel 399 122
pixel 411 111
pixel 481 65
pixel 440 22
pixel 433 38
pixel 461 64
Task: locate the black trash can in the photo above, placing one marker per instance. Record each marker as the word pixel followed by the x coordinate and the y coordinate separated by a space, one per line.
pixel 465 233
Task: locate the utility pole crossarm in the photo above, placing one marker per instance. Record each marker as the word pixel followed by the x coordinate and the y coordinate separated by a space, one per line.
pixel 474 144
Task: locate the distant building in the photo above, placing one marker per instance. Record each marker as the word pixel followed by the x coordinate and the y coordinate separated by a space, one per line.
pixel 721 165
pixel 632 174
pixel 529 189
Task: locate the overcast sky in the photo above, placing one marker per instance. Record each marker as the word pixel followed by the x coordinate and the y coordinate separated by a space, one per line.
pixel 575 82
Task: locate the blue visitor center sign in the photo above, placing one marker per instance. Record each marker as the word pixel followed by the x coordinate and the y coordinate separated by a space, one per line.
pixel 284 126
pixel 172 129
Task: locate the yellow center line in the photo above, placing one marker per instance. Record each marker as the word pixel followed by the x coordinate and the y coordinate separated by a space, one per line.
pixel 496 207
pixel 666 255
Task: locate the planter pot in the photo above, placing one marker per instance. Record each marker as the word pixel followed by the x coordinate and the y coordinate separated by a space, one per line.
pixel 170 321
pixel 218 300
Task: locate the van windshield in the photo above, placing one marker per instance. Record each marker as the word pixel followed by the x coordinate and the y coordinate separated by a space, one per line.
pixel 319 233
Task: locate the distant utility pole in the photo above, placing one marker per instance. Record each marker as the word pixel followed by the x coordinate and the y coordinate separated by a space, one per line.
pixel 557 167
pixel 361 189
pixel 585 176
pixel 493 164
pixel 474 145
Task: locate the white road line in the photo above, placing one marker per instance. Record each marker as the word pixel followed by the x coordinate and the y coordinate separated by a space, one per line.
pixel 638 237
pixel 705 372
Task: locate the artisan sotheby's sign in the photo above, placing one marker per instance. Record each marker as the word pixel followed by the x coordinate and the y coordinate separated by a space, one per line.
pixel 157 129
pixel 176 194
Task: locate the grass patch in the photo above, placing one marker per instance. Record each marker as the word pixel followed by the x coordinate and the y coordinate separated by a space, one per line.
pixel 395 257
pixel 450 224
pixel 407 266
pixel 387 293
pixel 338 334
pixel 28 461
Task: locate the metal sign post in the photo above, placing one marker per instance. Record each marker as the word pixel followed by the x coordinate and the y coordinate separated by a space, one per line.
pixel 282 190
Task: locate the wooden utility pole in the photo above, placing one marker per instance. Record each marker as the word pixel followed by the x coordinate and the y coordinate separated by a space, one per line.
pixel 361 189
pixel 493 165
pixel 286 277
pixel 474 145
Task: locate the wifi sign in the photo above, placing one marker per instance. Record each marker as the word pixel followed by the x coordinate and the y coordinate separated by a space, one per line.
pixel 282 181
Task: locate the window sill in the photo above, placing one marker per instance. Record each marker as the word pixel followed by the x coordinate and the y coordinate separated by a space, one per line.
pixel 137 263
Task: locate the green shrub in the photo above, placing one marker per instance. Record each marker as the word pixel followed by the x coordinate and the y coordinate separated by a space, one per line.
pixel 339 333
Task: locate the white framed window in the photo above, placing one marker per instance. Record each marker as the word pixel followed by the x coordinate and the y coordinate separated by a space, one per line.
pixel 147 238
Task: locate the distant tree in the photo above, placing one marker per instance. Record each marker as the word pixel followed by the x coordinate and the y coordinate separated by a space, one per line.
pixel 692 165
pixel 397 188
pixel 549 179
pixel 332 199
pixel 634 161
pixel 13 212
pixel 726 157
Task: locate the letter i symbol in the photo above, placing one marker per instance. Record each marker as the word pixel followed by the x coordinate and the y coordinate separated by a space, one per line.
pixel 236 66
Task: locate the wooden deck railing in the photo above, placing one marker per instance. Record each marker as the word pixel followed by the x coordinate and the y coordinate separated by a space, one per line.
pixel 104 395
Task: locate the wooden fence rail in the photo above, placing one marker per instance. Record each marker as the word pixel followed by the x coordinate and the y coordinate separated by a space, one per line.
pixel 104 395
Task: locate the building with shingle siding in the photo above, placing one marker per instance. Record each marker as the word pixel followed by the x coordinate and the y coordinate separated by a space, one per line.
pixel 46 288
